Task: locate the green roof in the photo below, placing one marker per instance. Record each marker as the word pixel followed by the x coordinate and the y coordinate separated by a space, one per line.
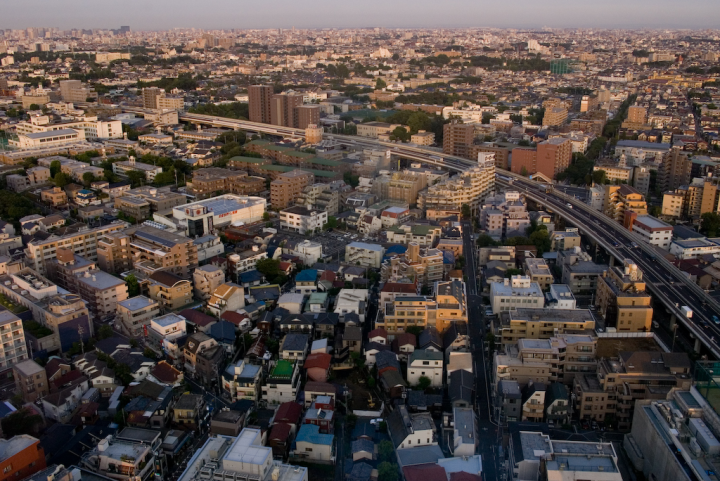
pixel 283 368
pixel 252 160
pixel 419 229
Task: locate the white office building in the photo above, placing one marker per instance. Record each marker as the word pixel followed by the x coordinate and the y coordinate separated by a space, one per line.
pixel 515 293
pixel 202 217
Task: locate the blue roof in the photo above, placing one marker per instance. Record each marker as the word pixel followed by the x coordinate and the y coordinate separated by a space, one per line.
pixel 250 276
pixel 85 192
pixel 6 408
pixel 310 433
pixel 396 249
pixel 448 257
pixel 223 331
pixel 308 275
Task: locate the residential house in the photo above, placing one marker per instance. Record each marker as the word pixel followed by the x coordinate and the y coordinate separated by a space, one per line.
pixel 425 363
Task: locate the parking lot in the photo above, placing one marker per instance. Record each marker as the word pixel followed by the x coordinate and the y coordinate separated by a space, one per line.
pixel 333 242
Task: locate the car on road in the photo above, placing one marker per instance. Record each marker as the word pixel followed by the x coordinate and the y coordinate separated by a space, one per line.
pixel 594 425
pixel 716 319
pixel 584 424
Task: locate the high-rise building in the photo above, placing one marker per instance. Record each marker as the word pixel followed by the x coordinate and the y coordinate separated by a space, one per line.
pixel 306 115
pixel 524 161
pixel 622 300
pixel 675 169
pixel 637 114
pixel 621 198
pixel 458 138
pixel 74 91
pixel 502 154
pixel 554 156
pixel 150 97
pixel 259 102
pixel 283 109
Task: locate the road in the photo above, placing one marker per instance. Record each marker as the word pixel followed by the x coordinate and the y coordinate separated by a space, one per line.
pixel 667 284
pixel 488 431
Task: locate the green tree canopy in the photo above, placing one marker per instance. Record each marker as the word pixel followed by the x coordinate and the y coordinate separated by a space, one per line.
pixel 132 285
pixel 61 179
pixel 55 167
pixel 88 179
pixel 710 224
pixel 387 471
pixel 380 84
pixel 423 383
pixel 466 212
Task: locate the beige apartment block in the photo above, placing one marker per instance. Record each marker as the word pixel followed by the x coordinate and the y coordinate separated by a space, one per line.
pixel 622 300
pixel 30 380
pixel 424 266
pixel 171 291
pixel 84 243
pixel 54 196
pixel 539 272
pixel 136 313
pixel 621 381
pixel 470 187
pixel 288 187
pixel 400 186
pixel 522 323
pixel 206 279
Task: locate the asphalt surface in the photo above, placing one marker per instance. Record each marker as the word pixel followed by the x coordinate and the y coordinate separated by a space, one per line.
pixel 488 432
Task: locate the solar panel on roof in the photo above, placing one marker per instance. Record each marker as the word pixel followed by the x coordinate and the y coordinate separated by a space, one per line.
pixel 154 238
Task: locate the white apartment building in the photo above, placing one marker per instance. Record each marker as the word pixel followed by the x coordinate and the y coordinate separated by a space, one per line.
pixel 364 254
pixel 93 128
pixel 693 248
pixel 653 231
pixel 425 363
pixel 560 297
pixel 122 168
pixel 470 187
pixel 12 334
pixel 517 292
pixel 42 140
pixel 302 220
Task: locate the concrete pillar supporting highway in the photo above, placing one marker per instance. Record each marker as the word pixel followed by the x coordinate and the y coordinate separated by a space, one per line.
pixel 698 345
pixel 612 261
pixel 673 321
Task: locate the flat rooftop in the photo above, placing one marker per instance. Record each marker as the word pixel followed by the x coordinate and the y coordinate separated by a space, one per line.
pixel 224 204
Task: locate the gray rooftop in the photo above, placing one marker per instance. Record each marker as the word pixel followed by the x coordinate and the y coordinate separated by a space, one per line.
pixel 137 302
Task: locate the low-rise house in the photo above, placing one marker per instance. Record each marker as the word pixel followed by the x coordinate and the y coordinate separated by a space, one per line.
pixel 292 302
pixel 227 422
pixel 403 345
pixel 425 363
pixel 136 313
pixel 456 337
pixel 224 333
pixel 362 449
pixel 227 297
pixel 509 400
pixel 314 390
pixel 352 338
pixel 31 380
pixel 557 404
pixel 189 410
pixel 465 435
pixel 459 361
pixel 294 347
pixel 206 279
pixel 282 383
pixel 533 402
pixel 314 446
pixel 461 389
pixel 410 430
pixel 171 291
pixel 321 413
pixel 196 344
pixel 306 281
pixel 317 366
pixel 242 381
pixel 60 406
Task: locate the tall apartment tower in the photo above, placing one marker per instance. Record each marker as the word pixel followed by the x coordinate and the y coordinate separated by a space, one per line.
pixel 675 169
pixel 458 138
pixel 283 109
pixel 637 114
pixel 307 115
pixel 66 87
pixel 554 156
pixel 151 96
pixel 259 99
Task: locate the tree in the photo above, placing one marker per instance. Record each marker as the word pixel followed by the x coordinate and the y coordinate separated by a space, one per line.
pixel 55 167
pixel 332 223
pixel 149 353
pixel 21 421
pixel 490 338
pixel 400 133
pixel 371 382
pixel 380 84
pixel 34 107
pixel 710 224
pixel 655 210
pixel 423 383
pixel 132 285
pixel 136 177
pixel 465 209
pixel 524 171
pixel 599 177
pixel 88 179
pixel 541 239
pixel 105 332
pixel 485 240
pixel 386 451
pixel 351 180
pixel 266 216
pixel 343 71
pixel 61 179
pixel 414 330
pixel 387 472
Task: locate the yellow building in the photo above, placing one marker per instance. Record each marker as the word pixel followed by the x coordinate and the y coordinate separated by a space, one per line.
pixel 620 198
pixel 396 316
pixel 622 300
pixel 169 290
pixel 451 304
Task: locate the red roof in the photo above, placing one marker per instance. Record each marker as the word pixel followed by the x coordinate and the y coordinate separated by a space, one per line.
pixel 328 276
pixel 319 359
pixel 405 338
pixel 234 317
pixel 285 266
pixel 315 386
pixel 379 332
pixel 164 372
pixel 463 476
pixel 279 432
pixel 400 287
pixel 288 412
pixel 68 378
pixel 198 318
pixel 425 472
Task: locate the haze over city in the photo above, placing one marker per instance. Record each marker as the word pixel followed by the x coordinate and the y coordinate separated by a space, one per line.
pixel 371 241
pixel 225 14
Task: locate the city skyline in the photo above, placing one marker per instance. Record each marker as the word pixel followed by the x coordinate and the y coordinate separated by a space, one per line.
pixel 163 15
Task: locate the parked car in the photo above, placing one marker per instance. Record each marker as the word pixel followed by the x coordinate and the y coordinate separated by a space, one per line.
pixel 584 424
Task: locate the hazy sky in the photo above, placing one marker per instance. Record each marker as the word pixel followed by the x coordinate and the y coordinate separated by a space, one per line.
pixel 208 14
